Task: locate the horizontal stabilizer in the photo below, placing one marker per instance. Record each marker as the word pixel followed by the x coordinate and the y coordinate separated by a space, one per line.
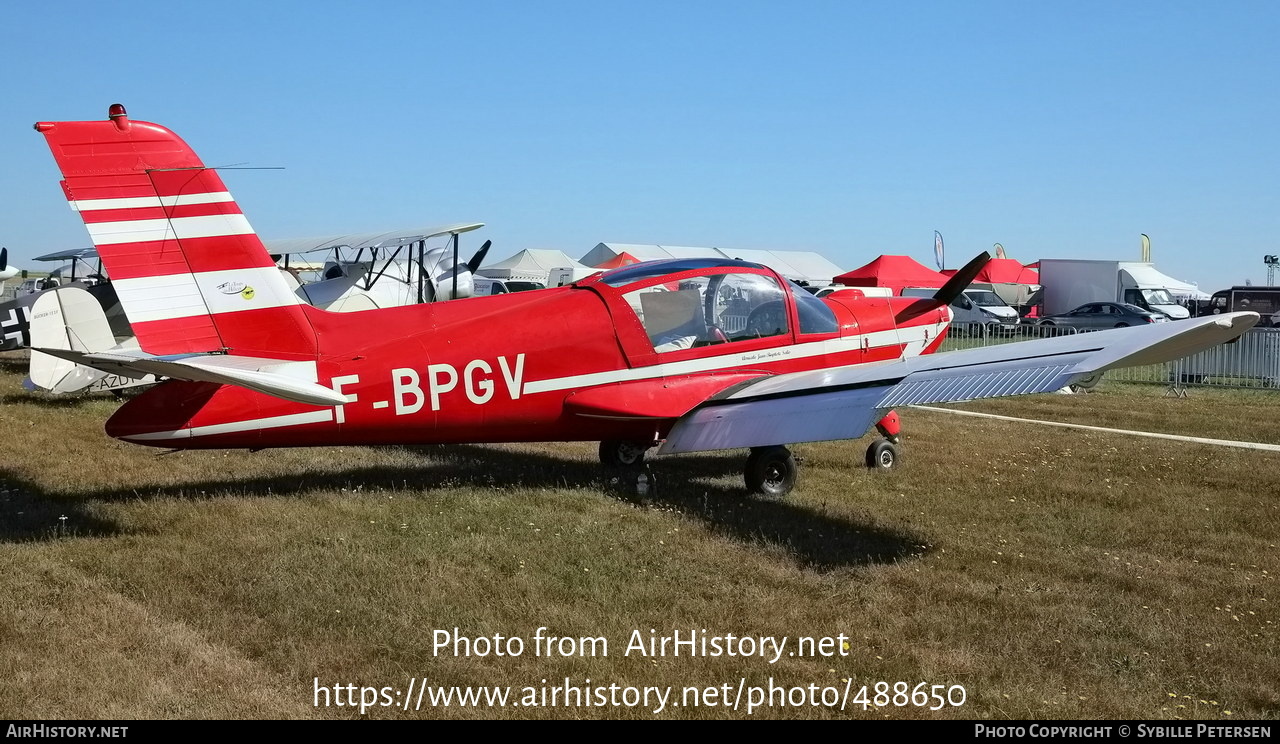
pixel 841 403
pixel 292 381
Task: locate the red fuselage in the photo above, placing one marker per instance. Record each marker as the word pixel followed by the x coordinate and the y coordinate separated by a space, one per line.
pixel 567 364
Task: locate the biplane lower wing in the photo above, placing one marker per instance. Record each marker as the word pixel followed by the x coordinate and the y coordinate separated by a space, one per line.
pixel 843 402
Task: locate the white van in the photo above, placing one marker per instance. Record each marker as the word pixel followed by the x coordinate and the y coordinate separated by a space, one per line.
pixel 483 286
pixel 976 312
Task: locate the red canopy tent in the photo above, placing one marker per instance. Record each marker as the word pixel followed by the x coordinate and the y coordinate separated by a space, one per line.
pixel 1003 271
pixel 622 259
pixel 894 272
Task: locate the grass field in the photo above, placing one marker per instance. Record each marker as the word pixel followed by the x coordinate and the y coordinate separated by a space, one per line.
pixel 1051 573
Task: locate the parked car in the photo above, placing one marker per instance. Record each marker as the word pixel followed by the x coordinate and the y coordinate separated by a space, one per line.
pixel 1095 316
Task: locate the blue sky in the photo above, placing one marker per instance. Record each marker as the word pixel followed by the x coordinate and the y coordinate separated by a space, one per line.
pixel 850 128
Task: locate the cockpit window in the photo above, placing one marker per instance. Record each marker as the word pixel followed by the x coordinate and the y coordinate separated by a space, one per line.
pixel 714 309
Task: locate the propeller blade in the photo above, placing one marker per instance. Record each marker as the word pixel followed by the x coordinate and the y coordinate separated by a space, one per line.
pixel 951 290
pixel 961 279
pixel 474 264
pixel 4 258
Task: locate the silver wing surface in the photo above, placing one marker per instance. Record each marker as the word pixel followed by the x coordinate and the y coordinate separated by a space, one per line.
pixel 843 402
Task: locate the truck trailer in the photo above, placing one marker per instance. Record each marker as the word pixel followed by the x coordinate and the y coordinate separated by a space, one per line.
pixel 1070 283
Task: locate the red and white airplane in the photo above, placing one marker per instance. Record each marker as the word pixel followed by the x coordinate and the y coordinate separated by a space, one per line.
pixel 691 355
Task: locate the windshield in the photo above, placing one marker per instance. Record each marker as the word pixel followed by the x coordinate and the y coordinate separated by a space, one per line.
pixel 636 272
pixel 984 298
pixel 711 309
pixel 1158 297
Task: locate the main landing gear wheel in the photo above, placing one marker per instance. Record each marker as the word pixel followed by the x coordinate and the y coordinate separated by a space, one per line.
pixel 621 453
pixel 882 455
pixel 770 471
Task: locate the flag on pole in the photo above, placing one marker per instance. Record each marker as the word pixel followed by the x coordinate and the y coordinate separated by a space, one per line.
pixel 1146 248
pixel 937 251
pixel 1000 251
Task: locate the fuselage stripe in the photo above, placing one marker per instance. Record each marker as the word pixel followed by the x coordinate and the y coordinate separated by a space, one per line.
pixel 913 337
pixel 293 419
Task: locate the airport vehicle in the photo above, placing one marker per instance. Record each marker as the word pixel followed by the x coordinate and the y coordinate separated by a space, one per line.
pixel 1095 316
pixel 484 286
pixel 825 290
pixel 563 275
pixel 1069 283
pixel 1264 301
pixel 684 354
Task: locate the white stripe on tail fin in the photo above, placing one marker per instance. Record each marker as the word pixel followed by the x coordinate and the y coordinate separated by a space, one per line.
pixel 190 272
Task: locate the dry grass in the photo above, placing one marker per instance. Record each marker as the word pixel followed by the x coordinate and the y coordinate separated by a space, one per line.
pixel 1053 574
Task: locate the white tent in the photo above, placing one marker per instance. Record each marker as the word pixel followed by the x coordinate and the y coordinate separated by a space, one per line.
pixel 529 265
pixel 1151 277
pixel 800 265
pixel 1181 290
pixel 606 251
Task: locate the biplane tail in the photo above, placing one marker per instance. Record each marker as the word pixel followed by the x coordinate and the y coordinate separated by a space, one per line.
pixel 192 275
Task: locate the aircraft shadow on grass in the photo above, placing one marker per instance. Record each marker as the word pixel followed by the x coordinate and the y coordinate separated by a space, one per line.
pixel 50 402
pixel 31 511
pixel 13 364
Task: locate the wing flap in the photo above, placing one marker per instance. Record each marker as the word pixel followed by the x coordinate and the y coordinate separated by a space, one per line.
pixel 945 385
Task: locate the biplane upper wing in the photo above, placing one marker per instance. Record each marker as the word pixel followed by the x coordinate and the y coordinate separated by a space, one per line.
pixel 843 402
pixel 356 241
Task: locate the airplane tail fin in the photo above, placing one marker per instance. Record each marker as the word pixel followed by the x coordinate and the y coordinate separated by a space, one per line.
pixel 67 318
pixel 191 274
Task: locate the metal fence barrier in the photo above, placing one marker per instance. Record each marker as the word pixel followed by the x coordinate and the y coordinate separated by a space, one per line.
pixel 1252 361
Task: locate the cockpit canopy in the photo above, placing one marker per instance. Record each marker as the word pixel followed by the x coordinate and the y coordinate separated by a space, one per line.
pixel 693 302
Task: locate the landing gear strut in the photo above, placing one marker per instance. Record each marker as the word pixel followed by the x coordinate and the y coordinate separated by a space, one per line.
pixel 883 453
pixel 770 471
pixel 622 453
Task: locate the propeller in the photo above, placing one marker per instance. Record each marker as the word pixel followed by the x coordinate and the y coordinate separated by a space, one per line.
pixel 949 292
pixel 4 258
pixel 474 264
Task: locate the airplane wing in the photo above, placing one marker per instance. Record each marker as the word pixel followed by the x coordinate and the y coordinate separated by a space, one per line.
pixel 293 381
pixel 843 402
pixel 355 241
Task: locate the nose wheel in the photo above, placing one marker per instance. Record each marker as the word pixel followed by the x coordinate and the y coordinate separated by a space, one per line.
pixel 770 471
